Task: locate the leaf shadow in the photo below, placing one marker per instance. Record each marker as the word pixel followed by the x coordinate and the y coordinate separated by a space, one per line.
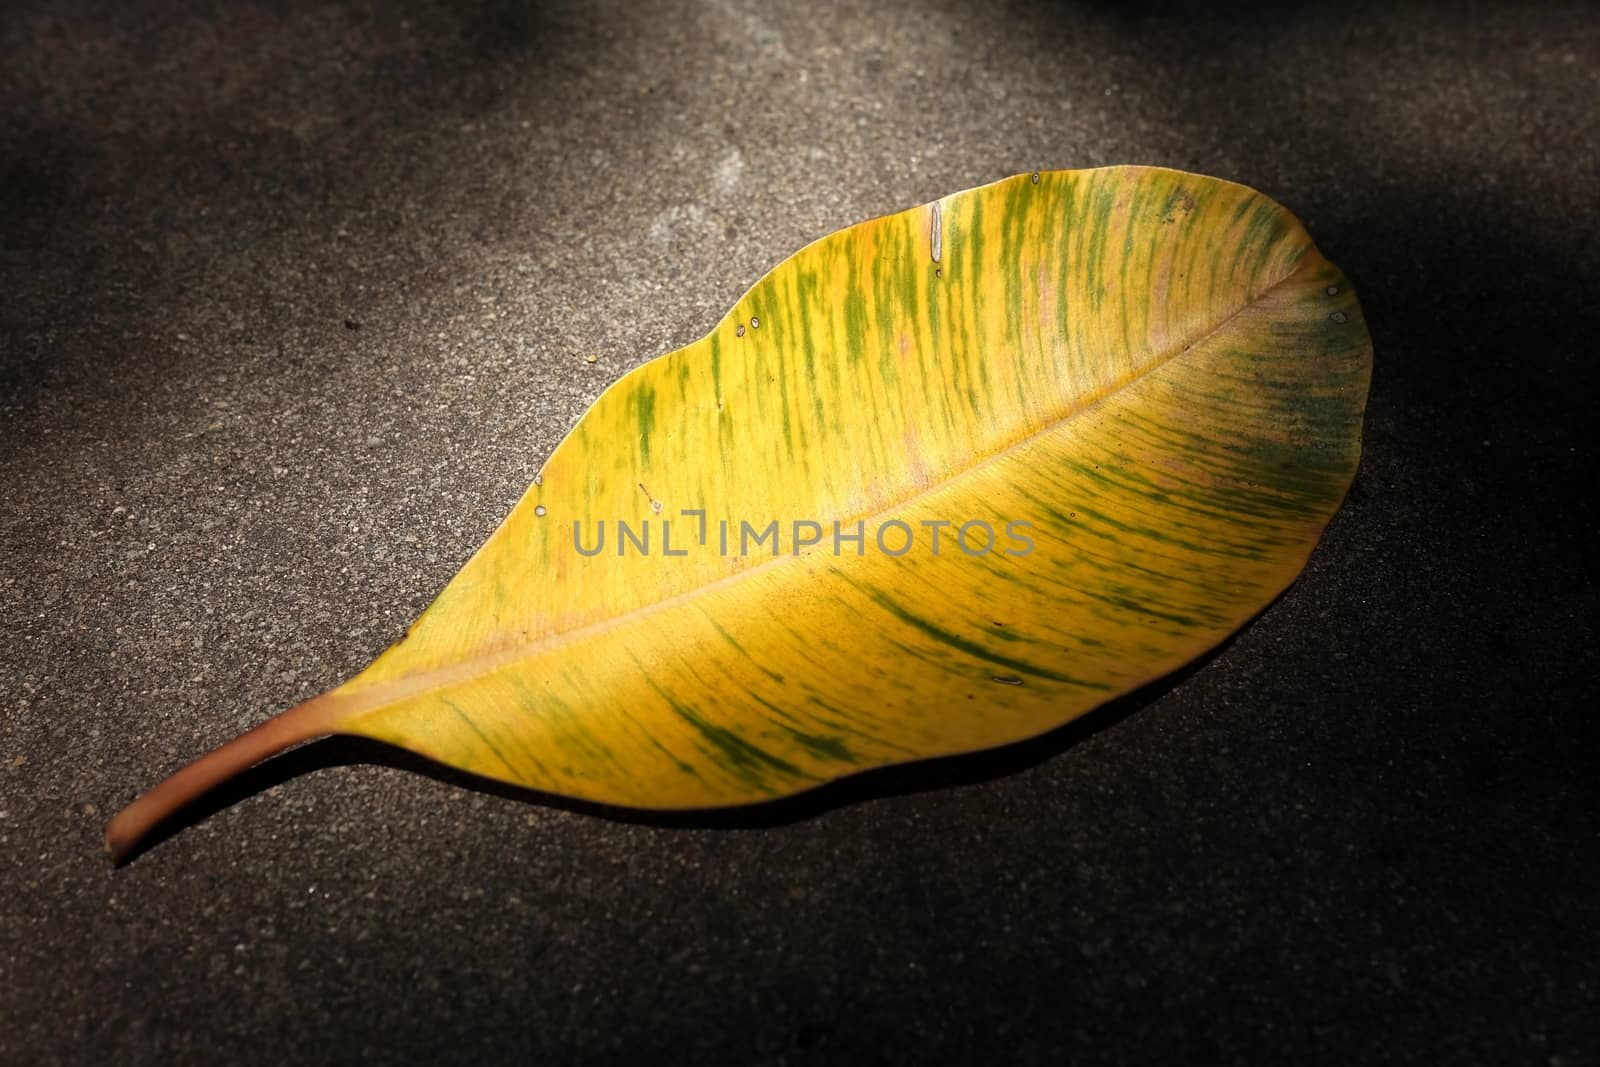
pixel 901 779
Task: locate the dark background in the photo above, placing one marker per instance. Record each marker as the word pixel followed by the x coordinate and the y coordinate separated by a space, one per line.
pixel 295 298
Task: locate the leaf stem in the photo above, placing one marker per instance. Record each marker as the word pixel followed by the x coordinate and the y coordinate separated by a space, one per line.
pixel 314 718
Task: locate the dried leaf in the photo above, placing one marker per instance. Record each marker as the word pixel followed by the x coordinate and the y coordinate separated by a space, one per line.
pixel 1008 455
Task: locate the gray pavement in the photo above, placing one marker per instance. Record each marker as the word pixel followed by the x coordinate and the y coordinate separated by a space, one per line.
pixel 295 298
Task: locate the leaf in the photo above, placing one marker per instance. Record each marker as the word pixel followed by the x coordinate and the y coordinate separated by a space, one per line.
pixel 1139 390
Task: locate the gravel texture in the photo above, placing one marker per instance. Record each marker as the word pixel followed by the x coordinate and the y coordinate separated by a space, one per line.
pixel 296 298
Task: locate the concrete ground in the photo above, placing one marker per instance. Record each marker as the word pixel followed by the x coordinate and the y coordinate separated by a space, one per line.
pixel 295 298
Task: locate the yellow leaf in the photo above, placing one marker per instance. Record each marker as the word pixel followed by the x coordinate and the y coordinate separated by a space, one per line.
pixel 940 481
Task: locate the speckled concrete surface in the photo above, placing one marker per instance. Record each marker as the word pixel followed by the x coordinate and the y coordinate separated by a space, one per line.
pixel 296 297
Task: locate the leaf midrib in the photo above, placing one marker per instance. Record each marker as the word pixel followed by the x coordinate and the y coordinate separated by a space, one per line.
pixel 379 695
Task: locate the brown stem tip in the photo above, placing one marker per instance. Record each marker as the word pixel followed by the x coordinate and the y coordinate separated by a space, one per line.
pixel 314 718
